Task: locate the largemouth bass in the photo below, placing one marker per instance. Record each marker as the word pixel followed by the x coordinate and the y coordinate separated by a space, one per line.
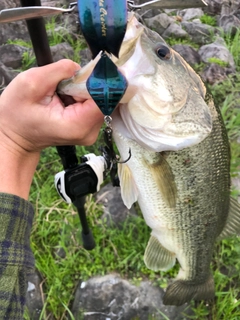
pixel 179 168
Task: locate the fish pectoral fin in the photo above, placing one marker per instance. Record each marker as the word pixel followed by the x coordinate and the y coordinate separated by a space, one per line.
pixel 182 291
pixel 162 173
pixel 232 226
pixel 156 257
pixel 129 190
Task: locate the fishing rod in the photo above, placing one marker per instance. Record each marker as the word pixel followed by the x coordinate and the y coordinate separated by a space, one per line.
pixel 38 35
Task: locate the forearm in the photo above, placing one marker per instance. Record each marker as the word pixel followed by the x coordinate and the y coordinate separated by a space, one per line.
pixel 17 168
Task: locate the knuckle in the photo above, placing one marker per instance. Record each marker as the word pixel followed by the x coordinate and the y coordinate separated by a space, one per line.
pixel 90 140
pixel 27 80
pixel 67 66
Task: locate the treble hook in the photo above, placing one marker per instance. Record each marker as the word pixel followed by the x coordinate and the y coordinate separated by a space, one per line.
pixel 109 142
pixel 129 157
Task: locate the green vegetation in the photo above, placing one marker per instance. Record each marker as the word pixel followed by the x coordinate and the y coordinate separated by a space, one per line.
pixel 218 61
pixel 56 239
pixel 172 41
pixel 210 20
pixel 233 46
pixel 58 35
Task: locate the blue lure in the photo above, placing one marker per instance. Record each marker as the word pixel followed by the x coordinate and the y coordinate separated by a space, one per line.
pixel 103 24
pixel 106 85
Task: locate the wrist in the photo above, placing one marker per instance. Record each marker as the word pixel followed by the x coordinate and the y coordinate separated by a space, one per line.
pixel 17 167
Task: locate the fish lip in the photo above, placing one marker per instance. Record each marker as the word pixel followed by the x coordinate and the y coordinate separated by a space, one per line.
pixel 77 83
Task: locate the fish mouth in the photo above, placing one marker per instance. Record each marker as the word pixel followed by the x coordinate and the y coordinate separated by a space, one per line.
pixel 76 85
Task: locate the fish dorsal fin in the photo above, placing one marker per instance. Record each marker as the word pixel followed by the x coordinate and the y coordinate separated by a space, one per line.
pixel 162 173
pixel 156 257
pixel 129 190
pixel 232 226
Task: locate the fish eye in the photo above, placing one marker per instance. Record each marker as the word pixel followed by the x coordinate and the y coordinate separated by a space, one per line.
pixel 163 52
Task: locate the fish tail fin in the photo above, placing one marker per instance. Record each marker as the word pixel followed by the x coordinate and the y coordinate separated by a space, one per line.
pixel 156 257
pixel 182 291
pixel 232 226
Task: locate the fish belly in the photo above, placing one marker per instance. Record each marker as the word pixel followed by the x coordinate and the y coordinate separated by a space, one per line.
pixel 148 194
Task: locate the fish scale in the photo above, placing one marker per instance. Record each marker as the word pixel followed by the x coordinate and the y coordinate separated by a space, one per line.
pixel 205 179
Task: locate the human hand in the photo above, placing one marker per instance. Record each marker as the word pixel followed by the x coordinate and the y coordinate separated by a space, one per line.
pixel 33 117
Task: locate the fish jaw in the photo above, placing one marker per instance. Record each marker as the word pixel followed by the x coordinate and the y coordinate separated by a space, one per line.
pixel 76 85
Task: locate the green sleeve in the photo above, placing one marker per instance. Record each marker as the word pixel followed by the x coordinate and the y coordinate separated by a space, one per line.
pixel 16 258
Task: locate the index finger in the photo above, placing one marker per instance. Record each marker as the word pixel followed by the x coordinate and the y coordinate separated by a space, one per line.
pixel 42 81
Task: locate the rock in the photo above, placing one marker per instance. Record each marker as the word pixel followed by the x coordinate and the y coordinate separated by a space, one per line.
pixel 218 50
pixel 190 14
pixel 13 30
pixel 62 51
pixel 159 23
pixel 85 56
pixel 146 12
pixel 235 5
pixel 199 33
pixel 111 297
pixel 172 12
pixel 34 297
pixel 4 4
pixel 213 73
pixel 175 31
pixel 114 209
pixel 149 13
pixel 6 76
pixel 225 10
pixel 237 13
pixel 229 24
pixel 54 3
pixel 70 23
pixel 12 55
pixel 188 53
pixel 196 21
pixel 229 7
pixel 213 7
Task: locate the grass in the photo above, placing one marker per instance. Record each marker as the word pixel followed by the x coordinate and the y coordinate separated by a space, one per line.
pixel 56 237
pixel 210 20
pixel 233 46
pixel 218 61
pixel 173 41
